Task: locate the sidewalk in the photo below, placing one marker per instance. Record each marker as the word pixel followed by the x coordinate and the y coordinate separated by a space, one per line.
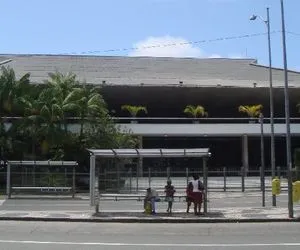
pixel 222 207
pixel 178 216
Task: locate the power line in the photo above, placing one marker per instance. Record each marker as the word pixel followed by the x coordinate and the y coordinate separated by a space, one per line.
pixel 90 52
pixel 293 33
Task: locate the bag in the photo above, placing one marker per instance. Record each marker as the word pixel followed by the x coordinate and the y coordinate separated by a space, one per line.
pixel 148 209
pixel 200 185
pixel 157 199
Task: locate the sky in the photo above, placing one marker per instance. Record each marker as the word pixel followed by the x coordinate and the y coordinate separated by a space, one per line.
pixel 171 28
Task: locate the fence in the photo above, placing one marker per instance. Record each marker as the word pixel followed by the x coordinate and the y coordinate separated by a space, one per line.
pixel 131 181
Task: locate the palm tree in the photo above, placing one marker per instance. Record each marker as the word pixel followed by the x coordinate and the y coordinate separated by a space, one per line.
pixel 251 110
pixel 88 103
pixel 12 90
pixel 12 96
pixel 62 82
pixel 195 111
pixel 134 110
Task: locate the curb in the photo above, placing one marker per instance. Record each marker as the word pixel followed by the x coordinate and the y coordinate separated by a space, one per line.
pixel 149 220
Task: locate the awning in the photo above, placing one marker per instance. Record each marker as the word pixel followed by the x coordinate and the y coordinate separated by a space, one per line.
pixel 44 163
pixel 151 153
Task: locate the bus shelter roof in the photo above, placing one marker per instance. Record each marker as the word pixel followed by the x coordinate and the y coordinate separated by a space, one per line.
pixel 44 163
pixel 151 152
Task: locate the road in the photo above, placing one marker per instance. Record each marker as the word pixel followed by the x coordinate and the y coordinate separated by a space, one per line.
pixel 90 236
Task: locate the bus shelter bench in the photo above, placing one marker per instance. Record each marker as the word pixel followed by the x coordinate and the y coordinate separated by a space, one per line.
pixel 43 189
pixel 138 197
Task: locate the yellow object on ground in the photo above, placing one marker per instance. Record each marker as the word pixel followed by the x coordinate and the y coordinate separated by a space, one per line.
pixel 148 209
pixel 276 189
pixel 296 191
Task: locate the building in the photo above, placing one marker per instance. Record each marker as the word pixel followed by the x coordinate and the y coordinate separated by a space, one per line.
pixel 166 85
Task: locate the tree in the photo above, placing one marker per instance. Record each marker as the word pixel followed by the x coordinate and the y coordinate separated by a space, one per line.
pixel 12 91
pixel 88 104
pixel 134 110
pixel 195 111
pixel 64 83
pixel 251 110
pixel 41 131
pixel 13 94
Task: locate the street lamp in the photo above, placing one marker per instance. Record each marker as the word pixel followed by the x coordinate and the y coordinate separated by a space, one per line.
pixel 287 118
pixel 262 158
pixel 267 22
pixel 5 62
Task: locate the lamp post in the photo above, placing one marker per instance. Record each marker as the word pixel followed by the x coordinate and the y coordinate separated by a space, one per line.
pixel 287 118
pixel 262 158
pixel 273 163
pixel 5 61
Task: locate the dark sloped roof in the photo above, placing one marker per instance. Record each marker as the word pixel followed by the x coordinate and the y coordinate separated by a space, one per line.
pixel 151 70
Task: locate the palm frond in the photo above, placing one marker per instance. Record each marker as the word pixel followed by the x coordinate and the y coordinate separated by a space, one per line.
pixel 134 110
pixel 251 110
pixel 195 111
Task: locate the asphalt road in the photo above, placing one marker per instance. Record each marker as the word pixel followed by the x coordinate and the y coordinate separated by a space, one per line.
pixel 90 236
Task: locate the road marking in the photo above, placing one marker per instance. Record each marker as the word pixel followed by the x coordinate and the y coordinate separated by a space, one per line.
pixel 148 244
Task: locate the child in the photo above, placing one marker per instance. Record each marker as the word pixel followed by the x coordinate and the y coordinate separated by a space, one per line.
pixel 169 190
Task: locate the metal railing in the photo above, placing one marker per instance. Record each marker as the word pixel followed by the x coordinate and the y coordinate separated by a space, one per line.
pixel 227 179
pixel 74 120
pixel 129 181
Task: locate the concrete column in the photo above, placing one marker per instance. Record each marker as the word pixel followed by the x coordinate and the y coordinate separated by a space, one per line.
pixel 92 179
pixel 8 178
pixel 205 184
pixel 140 165
pixel 245 159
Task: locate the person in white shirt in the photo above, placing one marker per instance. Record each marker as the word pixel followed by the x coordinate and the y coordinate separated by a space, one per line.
pixel 150 198
pixel 197 193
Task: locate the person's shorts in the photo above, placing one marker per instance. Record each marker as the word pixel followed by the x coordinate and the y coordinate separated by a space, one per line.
pixel 197 196
pixel 169 199
pixel 189 199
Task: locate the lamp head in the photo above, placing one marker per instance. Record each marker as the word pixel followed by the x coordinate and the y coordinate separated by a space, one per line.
pixel 253 17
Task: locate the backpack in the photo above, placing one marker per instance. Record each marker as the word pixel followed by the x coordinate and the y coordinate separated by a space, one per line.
pixel 200 185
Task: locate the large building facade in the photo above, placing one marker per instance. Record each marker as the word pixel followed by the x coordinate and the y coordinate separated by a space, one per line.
pixel 166 85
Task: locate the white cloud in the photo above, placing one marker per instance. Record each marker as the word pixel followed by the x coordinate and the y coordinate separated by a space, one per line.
pixel 222 1
pixel 235 56
pixel 215 56
pixel 166 46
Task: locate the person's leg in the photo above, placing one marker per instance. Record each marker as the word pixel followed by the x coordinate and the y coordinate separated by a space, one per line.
pixel 153 205
pixel 199 207
pixel 189 203
pixel 168 209
pixel 195 207
pixel 170 206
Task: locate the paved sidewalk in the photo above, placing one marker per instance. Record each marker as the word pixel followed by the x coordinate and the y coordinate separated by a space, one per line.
pixel 215 215
pixel 223 207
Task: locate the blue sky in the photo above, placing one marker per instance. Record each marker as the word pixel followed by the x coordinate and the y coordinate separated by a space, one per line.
pixel 95 26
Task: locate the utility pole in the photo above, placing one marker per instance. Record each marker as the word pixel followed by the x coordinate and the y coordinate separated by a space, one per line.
pixel 287 118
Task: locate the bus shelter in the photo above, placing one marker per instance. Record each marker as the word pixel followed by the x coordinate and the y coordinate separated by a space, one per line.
pixel 36 165
pixel 201 153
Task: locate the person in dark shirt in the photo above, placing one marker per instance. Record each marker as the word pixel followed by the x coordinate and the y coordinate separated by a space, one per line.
pixel 169 190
